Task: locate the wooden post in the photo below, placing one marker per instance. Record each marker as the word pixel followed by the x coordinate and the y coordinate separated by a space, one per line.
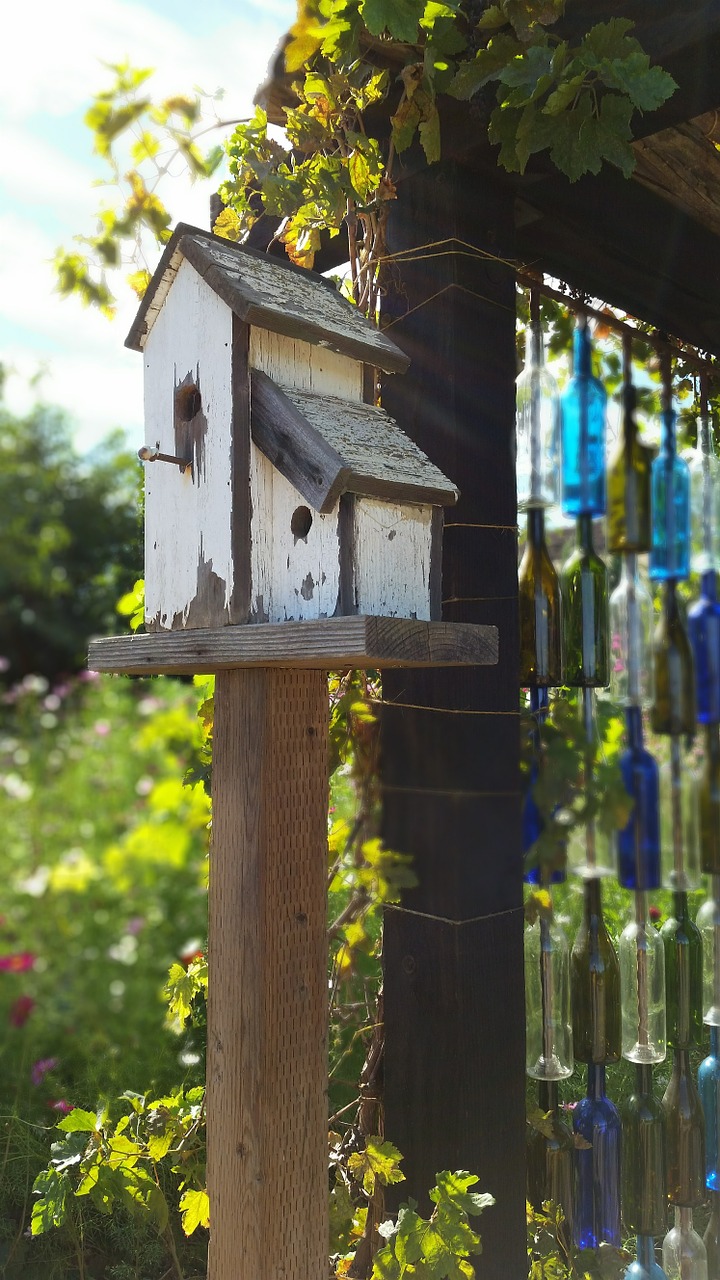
pixel 453 961
pixel 267 1010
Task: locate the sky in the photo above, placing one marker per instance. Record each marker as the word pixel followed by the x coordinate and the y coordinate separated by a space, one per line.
pixel 53 64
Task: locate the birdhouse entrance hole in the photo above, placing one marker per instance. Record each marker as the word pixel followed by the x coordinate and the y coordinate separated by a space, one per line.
pixel 301 522
pixel 188 402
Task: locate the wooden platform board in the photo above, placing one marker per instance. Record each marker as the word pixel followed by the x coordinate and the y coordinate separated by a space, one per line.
pixel 325 645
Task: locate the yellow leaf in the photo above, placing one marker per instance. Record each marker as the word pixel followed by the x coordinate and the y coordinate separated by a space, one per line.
pixel 228 225
pixel 195 1210
pixel 138 281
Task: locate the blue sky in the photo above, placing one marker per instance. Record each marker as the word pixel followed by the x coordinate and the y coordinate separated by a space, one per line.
pixel 52 66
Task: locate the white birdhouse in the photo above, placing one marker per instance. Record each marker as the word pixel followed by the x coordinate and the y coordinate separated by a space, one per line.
pixel 276 492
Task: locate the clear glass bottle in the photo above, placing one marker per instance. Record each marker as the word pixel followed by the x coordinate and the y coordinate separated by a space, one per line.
pixel 645 1267
pixel 631 625
pixel 643 1159
pixel 670 489
pixel 642 992
pixel 595 985
pixel 597 1165
pixel 537 422
pixel 709 1090
pixel 550 1156
pixel 584 585
pixel 549 1051
pixel 532 819
pixel 583 405
pixel 684 1136
pixel 673 706
pixel 704 500
pixel 628 484
pixel 539 609
pixel 708 922
pixel 680 808
pixel 683 976
pixel 704 633
pixel 683 1252
pixel 638 842
pixel 711 1239
pixel 710 802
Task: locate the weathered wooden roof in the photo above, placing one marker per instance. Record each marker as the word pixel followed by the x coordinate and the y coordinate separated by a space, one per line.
pixel 326 446
pixel 270 293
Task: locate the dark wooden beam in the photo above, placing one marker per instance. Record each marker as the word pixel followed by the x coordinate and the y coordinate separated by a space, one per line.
pixel 454 1014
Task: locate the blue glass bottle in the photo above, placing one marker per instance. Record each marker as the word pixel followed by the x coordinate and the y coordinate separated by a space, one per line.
pixel 583 433
pixel 597 1167
pixel 704 631
pixel 670 490
pixel 709 1090
pixel 638 842
pixel 645 1267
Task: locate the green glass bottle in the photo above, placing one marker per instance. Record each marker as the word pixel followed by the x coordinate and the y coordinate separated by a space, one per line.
pixel 684 1136
pixel 683 976
pixel 643 1163
pixel 539 607
pixel 710 802
pixel 673 706
pixel 550 1156
pixel 628 520
pixel 586 627
pixel 595 985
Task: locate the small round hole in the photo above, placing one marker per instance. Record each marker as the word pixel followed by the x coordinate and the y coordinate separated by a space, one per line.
pixel 188 402
pixel 301 522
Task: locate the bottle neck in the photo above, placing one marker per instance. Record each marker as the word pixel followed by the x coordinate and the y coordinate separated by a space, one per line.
pixel 629 424
pixel 646 1252
pixel 536 526
pixel 585 533
pixel 715 1042
pixel 667 435
pixel 593 901
pixel 680 905
pixel 596 1080
pixel 582 349
pixel 548 1098
pixel 670 603
pixel 683 1219
pixel 681 1065
pixel 634 725
pixel 534 352
pixel 644 1079
pixel 708 584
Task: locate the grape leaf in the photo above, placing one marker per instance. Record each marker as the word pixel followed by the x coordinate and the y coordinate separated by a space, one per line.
pixel 399 17
pixel 195 1210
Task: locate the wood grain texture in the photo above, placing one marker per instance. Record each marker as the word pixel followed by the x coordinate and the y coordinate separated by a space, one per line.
pixel 392 549
pixel 299 452
pixel 329 644
pixel 294 363
pixel 267 990
pixel 683 166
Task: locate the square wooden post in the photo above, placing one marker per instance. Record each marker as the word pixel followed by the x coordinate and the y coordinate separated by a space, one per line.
pixel 267 1005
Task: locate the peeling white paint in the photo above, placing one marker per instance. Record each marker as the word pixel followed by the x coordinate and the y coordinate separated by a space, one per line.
pixel 392 545
pixel 292 363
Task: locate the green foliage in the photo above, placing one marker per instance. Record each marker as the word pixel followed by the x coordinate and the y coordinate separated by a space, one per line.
pixel 70 543
pixel 438 1247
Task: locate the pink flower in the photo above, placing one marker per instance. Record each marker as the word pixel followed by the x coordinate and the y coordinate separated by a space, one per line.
pixel 62 1106
pixel 102 728
pixel 41 1068
pixel 21 1010
pixel 655 914
pixel 135 925
pixel 20 962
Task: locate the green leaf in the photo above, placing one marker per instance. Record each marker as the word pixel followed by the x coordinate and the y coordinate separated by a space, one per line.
pixel 491 19
pixel 615 133
pixel 647 87
pixel 400 18
pixel 377 1163
pixel 195 1210
pixel 429 131
pixel 51 1209
pixel 160 1144
pixel 488 64
pixel 455 1187
pixel 79 1121
pixel 527 71
pixel 404 123
pixel 608 40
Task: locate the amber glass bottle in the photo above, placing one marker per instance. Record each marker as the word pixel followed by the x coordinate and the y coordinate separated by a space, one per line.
pixel 673 707
pixel 684 1136
pixel 595 986
pixel 539 607
pixel 629 486
pixel 643 1163
pixel 550 1168
pixel 585 613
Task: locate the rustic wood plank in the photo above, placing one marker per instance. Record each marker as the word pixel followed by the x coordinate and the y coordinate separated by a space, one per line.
pixel 240 600
pixel 298 451
pixel 267 991
pixel 328 644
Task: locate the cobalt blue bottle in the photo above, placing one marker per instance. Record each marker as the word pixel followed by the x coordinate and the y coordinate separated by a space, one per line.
pixel 704 631
pixel 709 1090
pixel 597 1167
pixel 645 1267
pixel 638 842
pixel 583 433
pixel 670 491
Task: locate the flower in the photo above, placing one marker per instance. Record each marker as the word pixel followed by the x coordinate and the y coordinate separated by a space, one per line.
pixel 62 1106
pixel 191 951
pixel 40 1069
pixel 20 1011
pixel 20 962
pixel 102 728
pixel 655 914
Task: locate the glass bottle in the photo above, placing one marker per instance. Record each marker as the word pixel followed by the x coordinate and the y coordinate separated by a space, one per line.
pixel 537 421
pixel 595 985
pixel 673 706
pixel 708 922
pixel 645 1267
pixel 670 490
pixel 704 500
pixel 684 1136
pixel 683 1253
pixel 628 484
pixel 704 632
pixel 539 608
pixel 631 618
pixel 584 586
pixel 550 1156
pixel 711 1239
pixel 583 433
pixel 683 976
pixel 532 819
pixel 548 1035
pixel 597 1165
pixel 642 990
pixel 638 842
pixel 643 1159
pixel 710 802
pixel 709 1090
pixel 680 817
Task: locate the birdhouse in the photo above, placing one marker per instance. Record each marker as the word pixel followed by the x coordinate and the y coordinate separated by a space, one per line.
pixel 274 490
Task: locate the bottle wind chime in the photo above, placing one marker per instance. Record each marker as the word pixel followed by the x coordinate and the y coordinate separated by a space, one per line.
pixel 670 1148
